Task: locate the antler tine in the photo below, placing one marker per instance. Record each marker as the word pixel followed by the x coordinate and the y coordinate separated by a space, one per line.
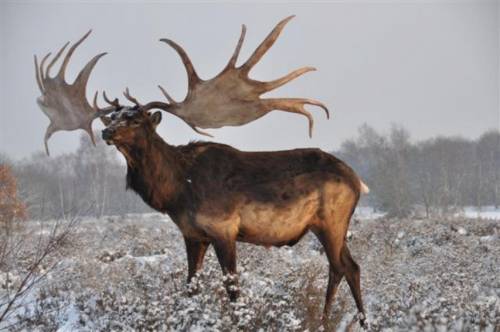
pixel 268 86
pixel 115 102
pixel 83 76
pixel 100 112
pixel 193 78
pixel 265 45
pixel 201 132
pixel 48 132
pixel 62 70
pixel 37 74
pixel 319 104
pixel 234 57
pixel 94 103
pixel 295 105
pixel 47 71
pixel 130 98
pixel 169 98
pixel 42 64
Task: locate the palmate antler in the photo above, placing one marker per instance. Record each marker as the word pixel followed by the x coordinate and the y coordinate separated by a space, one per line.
pixel 66 104
pixel 229 99
pixel 232 98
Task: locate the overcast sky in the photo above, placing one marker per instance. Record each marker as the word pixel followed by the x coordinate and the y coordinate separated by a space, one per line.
pixel 431 66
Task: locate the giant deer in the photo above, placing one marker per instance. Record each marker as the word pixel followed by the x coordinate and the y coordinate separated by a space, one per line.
pixel 216 194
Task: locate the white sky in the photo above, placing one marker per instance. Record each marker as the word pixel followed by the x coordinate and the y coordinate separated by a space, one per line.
pixel 430 66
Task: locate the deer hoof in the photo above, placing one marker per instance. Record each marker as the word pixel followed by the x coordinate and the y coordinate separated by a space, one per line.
pixel 362 319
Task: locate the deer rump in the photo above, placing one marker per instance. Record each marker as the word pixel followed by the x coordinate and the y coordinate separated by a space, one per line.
pixel 272 198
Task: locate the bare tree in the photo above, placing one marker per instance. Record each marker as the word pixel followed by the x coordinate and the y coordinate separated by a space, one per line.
pixel 441 174
pixel 384 162
pixel 488 165
pixel 25 261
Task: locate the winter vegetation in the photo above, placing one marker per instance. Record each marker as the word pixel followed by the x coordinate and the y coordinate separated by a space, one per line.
pixel 79 252
pixel 89 182
pixel 128 273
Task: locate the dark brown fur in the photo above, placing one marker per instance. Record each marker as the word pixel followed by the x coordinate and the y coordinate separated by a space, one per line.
pixel 219 195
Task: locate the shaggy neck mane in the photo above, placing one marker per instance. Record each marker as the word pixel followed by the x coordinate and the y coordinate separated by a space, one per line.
pixel 155 172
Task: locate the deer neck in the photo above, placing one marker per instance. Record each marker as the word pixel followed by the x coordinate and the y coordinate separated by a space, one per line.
pixel 155 171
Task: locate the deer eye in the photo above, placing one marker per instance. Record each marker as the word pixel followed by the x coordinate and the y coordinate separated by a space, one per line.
pixel 128 115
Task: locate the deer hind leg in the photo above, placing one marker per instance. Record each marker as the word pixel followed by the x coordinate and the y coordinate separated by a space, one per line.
pixel 352 274
pixel 336 270
pixel 337 211
pixel 226 254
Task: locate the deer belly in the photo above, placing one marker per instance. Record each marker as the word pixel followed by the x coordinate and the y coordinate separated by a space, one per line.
pixel 271 224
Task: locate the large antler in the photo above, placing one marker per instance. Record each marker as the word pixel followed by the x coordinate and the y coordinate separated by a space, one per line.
pixel 66 104
pixel 232 98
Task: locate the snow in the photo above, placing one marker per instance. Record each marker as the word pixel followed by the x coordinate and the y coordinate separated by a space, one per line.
pixel 128 273
pixel 71 315
pixel 367 212
pixel 485 212
pixel 472 212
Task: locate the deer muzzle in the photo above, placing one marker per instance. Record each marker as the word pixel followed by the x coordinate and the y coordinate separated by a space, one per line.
pixel 107 134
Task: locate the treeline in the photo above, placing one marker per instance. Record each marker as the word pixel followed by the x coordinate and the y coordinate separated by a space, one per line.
pixel 89 181
pixel 438 175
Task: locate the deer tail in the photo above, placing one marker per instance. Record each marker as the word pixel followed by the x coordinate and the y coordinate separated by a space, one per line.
pixel 364 187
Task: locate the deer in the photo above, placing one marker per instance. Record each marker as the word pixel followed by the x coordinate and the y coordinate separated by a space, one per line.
pixel 216 194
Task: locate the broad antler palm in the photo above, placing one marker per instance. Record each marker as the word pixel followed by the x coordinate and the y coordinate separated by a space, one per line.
pixel 232 98
pixel 66 104
pixel 229 99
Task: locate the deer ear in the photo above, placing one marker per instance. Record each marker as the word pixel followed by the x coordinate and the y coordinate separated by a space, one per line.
pixel 155 118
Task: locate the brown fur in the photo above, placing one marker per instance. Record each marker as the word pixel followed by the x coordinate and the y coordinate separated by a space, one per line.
pixel 219 195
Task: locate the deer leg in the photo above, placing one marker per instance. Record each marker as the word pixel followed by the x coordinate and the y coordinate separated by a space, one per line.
pixel 195 253
pixel 226 254
pixel 336 270
pixel 352 274
pixel 334 279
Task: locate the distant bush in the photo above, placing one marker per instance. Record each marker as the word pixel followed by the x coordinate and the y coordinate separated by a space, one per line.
pixel 11 207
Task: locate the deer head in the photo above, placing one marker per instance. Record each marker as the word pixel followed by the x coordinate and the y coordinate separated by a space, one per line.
pixel 130 126
pixel 231 98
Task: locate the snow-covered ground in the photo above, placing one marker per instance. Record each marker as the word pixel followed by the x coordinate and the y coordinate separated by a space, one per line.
pixel 367 212
pixel 472 212
pixel 485 212
pixel 128 273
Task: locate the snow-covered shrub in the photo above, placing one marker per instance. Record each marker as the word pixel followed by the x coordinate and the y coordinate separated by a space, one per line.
pixel 415 275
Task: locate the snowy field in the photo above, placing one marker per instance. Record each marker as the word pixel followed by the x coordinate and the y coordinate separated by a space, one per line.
pixel 128 273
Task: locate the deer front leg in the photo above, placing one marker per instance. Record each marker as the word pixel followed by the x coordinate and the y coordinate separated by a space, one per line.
pixel 226 254
pixel 195 253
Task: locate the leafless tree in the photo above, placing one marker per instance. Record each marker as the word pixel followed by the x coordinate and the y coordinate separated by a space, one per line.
pixel 26 258
pixel 441 174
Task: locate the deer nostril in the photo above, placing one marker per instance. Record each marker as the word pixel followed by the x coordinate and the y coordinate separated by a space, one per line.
pixel 107 133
